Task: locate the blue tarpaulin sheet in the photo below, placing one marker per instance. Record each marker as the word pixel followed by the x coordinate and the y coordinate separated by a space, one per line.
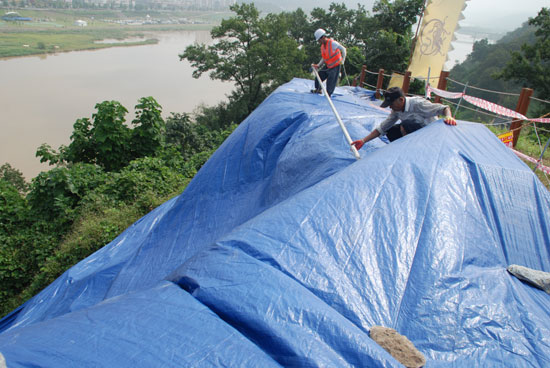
pixel 284 250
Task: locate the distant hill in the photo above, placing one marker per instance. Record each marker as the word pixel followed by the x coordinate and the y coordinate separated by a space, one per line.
pixel 485 61
pixel 497 22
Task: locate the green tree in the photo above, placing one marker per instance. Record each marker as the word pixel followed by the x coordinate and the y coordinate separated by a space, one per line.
pixel 216 117
pixel 82 147
pixel 490 58
pixel 299 27
pixel 340 22
pixel 111 136
pixel 191 138
pixel 531 65
pixel 388 35
pixel 397 16
pixel 149 126
pixel 14 177
pixel 256 54
pixel 107 141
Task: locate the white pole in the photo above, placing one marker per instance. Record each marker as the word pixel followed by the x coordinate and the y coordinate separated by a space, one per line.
pixel 346 134
pixel 427 82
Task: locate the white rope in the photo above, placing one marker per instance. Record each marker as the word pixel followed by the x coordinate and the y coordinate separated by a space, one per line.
pixel 538 99
pixel 482 89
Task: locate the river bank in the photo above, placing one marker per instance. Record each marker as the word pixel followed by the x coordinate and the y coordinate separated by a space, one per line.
pixel 43 96
pixel 53 31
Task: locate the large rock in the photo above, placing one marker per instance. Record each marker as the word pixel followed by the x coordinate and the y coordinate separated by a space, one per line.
pixel 398 346
pixel 536 278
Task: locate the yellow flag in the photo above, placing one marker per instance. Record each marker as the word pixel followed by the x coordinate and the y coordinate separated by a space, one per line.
pixel 435 36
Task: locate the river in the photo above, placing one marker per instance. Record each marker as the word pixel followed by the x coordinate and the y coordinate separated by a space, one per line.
pixel 462 46
pixel 42 96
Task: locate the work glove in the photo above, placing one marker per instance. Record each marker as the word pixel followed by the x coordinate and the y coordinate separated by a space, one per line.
pixel 358 144
pixel 449 120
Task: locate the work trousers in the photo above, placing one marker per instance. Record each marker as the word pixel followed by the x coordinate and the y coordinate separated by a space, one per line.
pixel 331 76
pixel 409 125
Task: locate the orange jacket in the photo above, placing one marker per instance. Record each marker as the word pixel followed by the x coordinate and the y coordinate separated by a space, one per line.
pixel 332 58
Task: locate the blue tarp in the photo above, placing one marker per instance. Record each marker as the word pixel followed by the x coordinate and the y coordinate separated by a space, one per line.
pixel 16 18
pixel 285 250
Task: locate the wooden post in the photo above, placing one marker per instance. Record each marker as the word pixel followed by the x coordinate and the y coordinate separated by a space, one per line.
pixel 442 84
pixel 406 82
pixel 379 82
pixel 363 75
pixel 522 106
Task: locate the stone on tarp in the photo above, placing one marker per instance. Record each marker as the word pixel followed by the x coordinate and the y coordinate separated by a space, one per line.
pixel 399 346
pixel 536 278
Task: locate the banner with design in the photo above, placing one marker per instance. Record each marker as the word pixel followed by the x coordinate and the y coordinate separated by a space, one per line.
pixel 435 36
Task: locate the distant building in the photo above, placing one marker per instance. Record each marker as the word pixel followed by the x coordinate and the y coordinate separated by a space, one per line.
pixel 80 23
pixel 180 4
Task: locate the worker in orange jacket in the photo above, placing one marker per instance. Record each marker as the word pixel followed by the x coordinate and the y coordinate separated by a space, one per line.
pixel 333 56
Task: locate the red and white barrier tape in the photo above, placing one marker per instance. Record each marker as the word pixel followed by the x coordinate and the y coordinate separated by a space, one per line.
pixel 540 166
pixel 486 105
pixel 497 109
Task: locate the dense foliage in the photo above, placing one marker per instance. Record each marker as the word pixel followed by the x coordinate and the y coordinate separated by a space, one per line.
pixel 13 176
pixel 490 58
pixel 531 65
pixel 107 141
pixel 108 177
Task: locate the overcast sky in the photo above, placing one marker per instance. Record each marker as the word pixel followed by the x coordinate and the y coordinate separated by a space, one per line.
pixel 498 15
pixel 501 14
pixel 504 14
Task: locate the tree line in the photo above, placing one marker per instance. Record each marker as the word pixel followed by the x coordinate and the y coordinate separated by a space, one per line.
pixel 113 172
pixel 259 53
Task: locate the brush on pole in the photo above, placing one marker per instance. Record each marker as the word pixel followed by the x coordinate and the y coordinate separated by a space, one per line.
pixel 346 134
